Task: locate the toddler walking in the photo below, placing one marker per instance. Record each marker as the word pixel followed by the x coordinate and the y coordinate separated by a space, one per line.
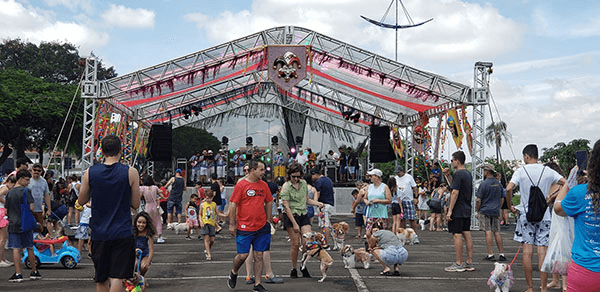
pixel 192 216
pixel 208 220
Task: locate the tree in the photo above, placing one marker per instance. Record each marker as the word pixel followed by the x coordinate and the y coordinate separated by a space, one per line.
pixel 187 141
pixel 495 133
pixel 564 154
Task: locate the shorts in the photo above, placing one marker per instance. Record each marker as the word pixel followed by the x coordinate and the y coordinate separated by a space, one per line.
pixel 113 258
pixel 396 209
pixel 532 233
pixel 409 210
pixel 370 222
pixel 301 220
pixel 324 217
pixel 487 223
pixel 238 170
pixel 3 218
pixel 222 206
pixel 459 225
pixel 436 210
pixel 191 223
pixel 82 232
pixel 203 170
pixel 359 220
pixel 505 204
pixel 208 230
pixel 351 169
pixel 20 240
pixel 343 169
pixel 260 239
pixel 174 202
pixel 393 255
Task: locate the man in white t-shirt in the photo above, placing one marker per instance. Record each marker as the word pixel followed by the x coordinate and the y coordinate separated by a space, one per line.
pixel 532 233
pixel 407 188
pixel 302 158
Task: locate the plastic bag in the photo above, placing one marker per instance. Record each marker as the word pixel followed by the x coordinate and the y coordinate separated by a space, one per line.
pixel 558 256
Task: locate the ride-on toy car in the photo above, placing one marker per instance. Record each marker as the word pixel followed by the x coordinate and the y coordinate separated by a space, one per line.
pixel 67 255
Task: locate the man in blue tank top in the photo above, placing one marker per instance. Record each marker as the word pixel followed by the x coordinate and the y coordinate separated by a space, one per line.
pixel 114 188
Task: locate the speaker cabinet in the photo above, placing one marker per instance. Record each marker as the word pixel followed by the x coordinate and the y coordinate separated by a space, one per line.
pixel 381 149
pixel 160 142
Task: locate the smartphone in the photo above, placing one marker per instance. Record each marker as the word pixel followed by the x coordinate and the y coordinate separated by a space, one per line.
pixel 581 156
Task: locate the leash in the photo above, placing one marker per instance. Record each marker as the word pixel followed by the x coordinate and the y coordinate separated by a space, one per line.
pixel 514 258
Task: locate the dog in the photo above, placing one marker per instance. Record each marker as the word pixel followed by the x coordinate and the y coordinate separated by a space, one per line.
pixel 338 233
pixel 423 223
pixel 178 227
pixel 313 247
pixel 502 277
pixel 407 235
pixel 351 256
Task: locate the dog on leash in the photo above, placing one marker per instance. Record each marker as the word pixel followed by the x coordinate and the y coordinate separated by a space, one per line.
pixel 502 277
pixel 339 234
pixel 351 256
pixel 423 223
pixel 313 247
pixel 407 235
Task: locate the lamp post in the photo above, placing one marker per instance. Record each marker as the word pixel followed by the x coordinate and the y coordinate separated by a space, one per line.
pixel 269 137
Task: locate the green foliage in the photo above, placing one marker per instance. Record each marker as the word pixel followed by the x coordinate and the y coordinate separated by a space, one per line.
pixel 495 133
pixel 505 167
pixel 187 141
pixel 564 154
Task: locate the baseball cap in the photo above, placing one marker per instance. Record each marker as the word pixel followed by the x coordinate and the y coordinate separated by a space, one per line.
pixel 178 170
pixel 399 168
pixel 376 172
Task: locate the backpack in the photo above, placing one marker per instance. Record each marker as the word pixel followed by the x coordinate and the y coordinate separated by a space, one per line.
pixel 537 201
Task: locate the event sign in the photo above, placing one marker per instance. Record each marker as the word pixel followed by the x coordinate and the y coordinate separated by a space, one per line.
pixel 287 65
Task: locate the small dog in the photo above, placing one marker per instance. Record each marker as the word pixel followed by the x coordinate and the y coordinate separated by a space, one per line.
pixel 178 227
pixel 502 278
pixel 407 235
pixel 314 248
pixel 339 234
pixel 423 223
pixel 352 256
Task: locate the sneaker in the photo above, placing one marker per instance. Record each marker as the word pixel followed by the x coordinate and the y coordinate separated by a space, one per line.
pixel 469 267
pixel 417 241
pixel 455 268
pixel 502 258
pixel 259 287
pixel 273 280
pixel 490 258
pixel 35 275
pixel 294 274
pixel 305 273
pixel 160 240
pixel 188 238
pixel 16 278
pixel 250 281
pixel 4 264
pixel 232 280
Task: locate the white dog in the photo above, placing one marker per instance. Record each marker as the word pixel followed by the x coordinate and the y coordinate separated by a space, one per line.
pixel 501 278
pixel 407 235
pixel 178 227
pixel 350 256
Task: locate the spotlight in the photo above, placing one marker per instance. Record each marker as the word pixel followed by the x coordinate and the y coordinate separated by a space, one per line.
pixel 268 150
pixel 249 140
pixel 347 114
pixel 268 167
pixel 293 150
pixel 355 117
pixel 225 141
pixel 274 140
pixel 268 159
pixel 298 139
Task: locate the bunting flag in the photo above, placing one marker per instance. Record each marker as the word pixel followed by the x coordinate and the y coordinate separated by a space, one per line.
pixel 468 129
pixel 421 139
pixel 397 142
pixel 454 127
pixel 436 148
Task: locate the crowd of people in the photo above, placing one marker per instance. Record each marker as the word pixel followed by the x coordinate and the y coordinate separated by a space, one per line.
pixel 383 208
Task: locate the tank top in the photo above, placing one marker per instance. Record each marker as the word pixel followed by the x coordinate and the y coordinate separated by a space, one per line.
pixel 177 189
pixel 377 210
pixel 111 194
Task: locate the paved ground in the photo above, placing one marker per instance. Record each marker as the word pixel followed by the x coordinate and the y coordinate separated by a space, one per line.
pixel 179 265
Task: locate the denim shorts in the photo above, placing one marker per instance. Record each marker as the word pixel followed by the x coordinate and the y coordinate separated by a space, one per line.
pixel 174 202
pixel 393 255
pixel 20 240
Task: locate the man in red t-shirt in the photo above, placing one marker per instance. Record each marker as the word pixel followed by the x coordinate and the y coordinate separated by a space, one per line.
pixel 249 211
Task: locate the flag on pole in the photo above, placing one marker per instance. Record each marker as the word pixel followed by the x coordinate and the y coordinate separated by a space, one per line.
pixel 397 142
pixel 454 127
pixel 468 129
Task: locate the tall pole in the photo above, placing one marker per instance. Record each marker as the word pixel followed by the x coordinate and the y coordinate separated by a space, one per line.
pixel 396 58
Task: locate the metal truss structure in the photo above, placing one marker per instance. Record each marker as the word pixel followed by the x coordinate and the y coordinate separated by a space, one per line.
pixel 231 78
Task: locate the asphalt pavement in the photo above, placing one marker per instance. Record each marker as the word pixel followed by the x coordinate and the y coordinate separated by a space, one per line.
pixel 180 265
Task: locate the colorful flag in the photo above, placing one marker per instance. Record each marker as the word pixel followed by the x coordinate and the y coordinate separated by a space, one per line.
pixel 468 129
pixel 454 127
pixel 397 142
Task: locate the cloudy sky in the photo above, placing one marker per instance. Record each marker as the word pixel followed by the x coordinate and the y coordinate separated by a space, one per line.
pixel 546 53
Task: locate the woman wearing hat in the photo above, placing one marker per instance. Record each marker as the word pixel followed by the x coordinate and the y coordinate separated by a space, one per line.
pixel 378 195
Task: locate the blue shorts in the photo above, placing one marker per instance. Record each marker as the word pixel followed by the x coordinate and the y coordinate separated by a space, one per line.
pixel 394 255
pixel 174 202
pixel 20 240
pixel 260 239
pixel 83 231
pixel 359 221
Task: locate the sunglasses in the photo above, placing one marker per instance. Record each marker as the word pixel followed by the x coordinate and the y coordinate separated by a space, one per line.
pixel 246 170
pixel 296 176
pixel 37 170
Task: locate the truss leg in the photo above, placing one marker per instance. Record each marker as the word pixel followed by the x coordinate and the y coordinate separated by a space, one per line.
pixel 410 154
pixel 480 99
pixel 89 92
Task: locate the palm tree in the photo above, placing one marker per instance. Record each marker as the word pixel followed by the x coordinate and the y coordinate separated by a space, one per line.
pixel 495 133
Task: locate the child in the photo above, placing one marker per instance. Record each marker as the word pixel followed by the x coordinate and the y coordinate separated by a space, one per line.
pixel 200 190
pixel 144 240
pixel 208 217
pixel 37 235
pixel 83 231
pixel 358 208
pixel 17 238
pixel 192 216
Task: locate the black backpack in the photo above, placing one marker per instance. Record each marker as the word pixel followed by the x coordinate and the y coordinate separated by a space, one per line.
pixel 537 201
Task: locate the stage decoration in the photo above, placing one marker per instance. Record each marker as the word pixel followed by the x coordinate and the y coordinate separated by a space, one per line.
pixel 468 129
pixel 438 138
pixel 397 142
pixel 287 65
pixel 454 127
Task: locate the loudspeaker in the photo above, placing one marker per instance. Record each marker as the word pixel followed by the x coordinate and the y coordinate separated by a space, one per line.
pixel 331 173
pixel 381 149
pixel 160 142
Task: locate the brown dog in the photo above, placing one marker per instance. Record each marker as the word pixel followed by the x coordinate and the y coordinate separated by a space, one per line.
pixel 314 248
pixel 339 234
pixel 352 256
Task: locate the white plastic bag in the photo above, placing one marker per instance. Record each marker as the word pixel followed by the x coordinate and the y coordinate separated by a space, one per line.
pixel 558 256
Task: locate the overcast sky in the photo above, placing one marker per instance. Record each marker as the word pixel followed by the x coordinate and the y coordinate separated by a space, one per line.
pixel 546 54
